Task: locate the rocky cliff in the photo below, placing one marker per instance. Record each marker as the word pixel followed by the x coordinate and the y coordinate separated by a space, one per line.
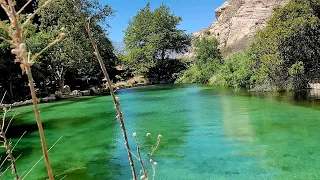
pixel 237 21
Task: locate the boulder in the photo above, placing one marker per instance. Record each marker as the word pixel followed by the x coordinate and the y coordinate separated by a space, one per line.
pixel 75 93
pixel 97 90
pixel 86 93
pixel 66 89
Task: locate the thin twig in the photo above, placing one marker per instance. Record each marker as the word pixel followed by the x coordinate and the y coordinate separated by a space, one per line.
pixel 19 140
pixel 140 159
pixel 5 159
pixel 2 174
pixel 154 172
pixel 23 7
pixel 63 177
pixel 40 159
pixel 7 146
pixel 30 17
pixel 130 151
pixel 3 97
pixel 107 78
pixel 157 145
pixel 56 41
pixel 15 114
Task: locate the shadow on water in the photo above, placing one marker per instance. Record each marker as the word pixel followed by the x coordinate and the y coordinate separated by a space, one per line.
pixel 306 98
pixel 16 130
pixel 86 148
pixel 208 133
pixel 52 105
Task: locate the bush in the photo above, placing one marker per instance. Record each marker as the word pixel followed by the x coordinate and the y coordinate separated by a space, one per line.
pixel 205 64
pixel 196 75
pixel 235 72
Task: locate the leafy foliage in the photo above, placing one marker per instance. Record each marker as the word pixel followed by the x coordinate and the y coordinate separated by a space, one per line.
pixel 72 60
pixel 74 55
pixel 235 72
pixel 205 63
pixel 152 38
pixel 291 36
pixel 284 56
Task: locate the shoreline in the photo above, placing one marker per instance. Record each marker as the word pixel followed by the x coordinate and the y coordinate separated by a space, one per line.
pixel 53 99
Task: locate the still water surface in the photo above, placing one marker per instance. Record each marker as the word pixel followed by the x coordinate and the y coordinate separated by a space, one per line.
pixel 208 133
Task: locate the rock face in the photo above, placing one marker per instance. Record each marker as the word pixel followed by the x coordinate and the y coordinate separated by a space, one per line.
pixel 237 21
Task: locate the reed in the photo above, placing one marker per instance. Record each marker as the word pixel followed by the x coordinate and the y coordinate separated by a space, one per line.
pixel 17 37
pixel 115 99
pixel 6 144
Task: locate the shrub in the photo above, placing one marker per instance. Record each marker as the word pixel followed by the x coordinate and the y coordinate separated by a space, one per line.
pixel 235 72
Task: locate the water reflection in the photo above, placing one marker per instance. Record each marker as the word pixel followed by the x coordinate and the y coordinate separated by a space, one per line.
pixel 86 149
pixel 236 120
pixel 208 133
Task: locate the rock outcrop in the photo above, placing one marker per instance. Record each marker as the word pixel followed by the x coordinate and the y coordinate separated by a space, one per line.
pixel 237 21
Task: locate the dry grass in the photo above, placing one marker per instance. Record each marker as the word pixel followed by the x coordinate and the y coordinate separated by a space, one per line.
pixel 7 144
pixel 154 164
pixel 17 36
pixel 115 99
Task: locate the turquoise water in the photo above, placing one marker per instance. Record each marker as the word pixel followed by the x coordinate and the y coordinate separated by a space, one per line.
pixel 208 133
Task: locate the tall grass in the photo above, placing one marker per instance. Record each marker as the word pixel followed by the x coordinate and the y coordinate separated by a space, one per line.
pixel 115 99
pixel 116 102
pixel 16 37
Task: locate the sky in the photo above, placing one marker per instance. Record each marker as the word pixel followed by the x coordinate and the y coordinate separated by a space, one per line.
pixel 196 14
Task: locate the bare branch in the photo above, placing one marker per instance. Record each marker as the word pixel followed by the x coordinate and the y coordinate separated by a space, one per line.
pixel 3 97
pixel 40 159
pixel 20 11
pixel 106 75
pixel 56 41
pixel 157 145
pixel 30 17
pixel 2 174
pixel 15 114
pixel 19 140
pixel 140 158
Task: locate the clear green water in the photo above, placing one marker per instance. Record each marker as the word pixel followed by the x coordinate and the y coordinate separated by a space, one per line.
pixel 208 133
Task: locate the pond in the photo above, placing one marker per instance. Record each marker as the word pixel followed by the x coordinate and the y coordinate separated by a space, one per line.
pixel 207 133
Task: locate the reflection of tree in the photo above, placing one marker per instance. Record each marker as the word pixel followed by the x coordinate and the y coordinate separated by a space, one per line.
pixel 158 110
pixel 290 138
pixel 236 118
pixel 86 150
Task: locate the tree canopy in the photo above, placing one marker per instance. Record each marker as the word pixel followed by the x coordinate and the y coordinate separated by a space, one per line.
pixel 153 37
pixel 72 60
pixel 206 62
pixel 284 55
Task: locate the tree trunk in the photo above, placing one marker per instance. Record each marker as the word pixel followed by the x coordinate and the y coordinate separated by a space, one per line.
pixel 60 80
pixel 11 90
pixel 45 87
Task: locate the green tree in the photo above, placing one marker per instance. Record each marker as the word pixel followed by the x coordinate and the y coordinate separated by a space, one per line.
pixel 234 72
pixel 292 35
pixel 206 62
pixel 152 38
pixel 74 55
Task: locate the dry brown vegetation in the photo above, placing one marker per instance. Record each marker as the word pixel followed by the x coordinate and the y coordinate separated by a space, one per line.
pixel 16 32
